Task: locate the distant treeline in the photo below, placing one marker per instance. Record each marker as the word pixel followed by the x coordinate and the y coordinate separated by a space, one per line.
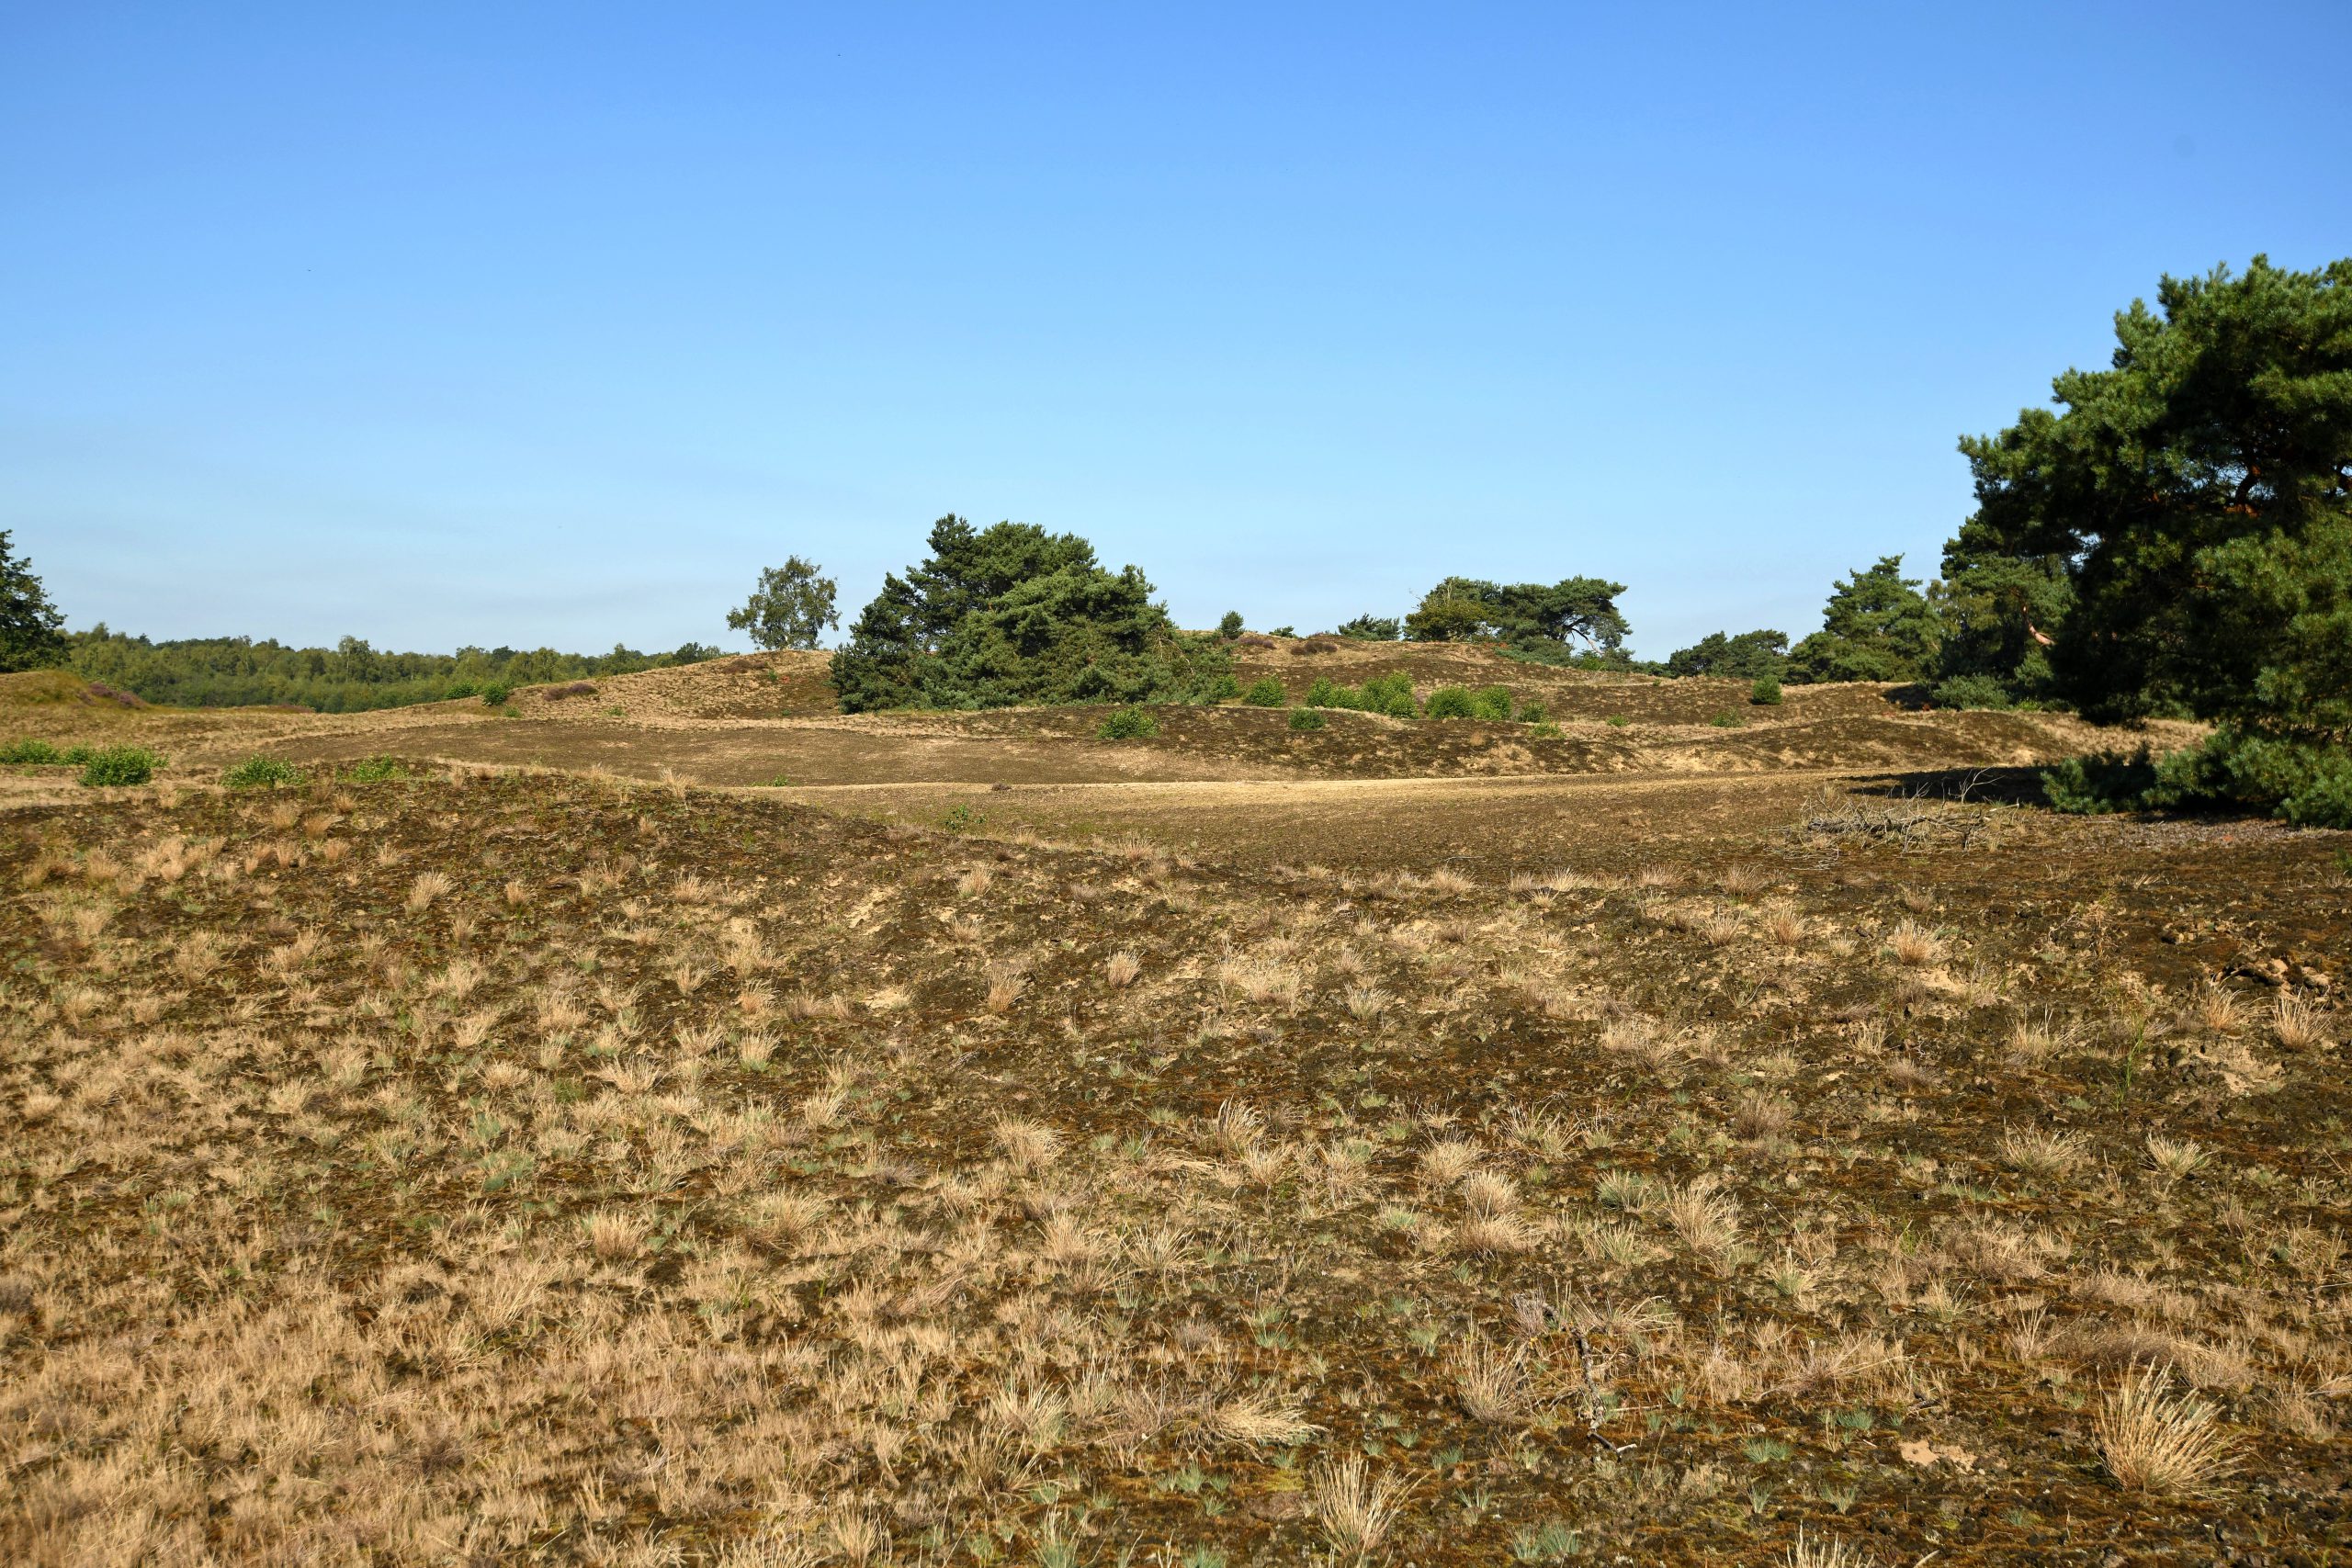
pixel 238 671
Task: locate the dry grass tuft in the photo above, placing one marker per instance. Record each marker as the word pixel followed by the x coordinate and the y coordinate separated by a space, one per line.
pixel 1355 1509
pixel 2035 1150
pixel 1491 1384
pixel 2176 1159
pixel 1915 946
pixel 1263 980
pixel 1028 1145
pixel 1261 1419
pixel 1706 1220
pixel 1759 1115
pixel 1808 1553
pixel 1447 1161
pixel 612 1235
pixel 428 886
pixel 2153 1440
pixel 1121 969
pixel 1237 1129
pixel 2297 1025
pixel 1006 982
pixel 2217 1008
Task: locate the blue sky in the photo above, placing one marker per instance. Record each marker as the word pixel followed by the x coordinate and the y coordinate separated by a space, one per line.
pixel 516 324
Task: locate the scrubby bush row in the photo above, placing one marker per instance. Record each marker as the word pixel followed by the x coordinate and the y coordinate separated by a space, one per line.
pixel 350 677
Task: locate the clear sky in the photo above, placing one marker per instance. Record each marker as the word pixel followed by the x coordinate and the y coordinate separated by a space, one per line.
pixel 499 324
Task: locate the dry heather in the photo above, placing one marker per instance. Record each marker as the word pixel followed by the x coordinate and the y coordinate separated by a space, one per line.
pixel 536 1169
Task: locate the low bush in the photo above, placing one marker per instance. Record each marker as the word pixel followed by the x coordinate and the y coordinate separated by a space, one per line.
pixel 1726 721
pixel 1129 724
pixel 26 753
pixel 1303 719
pixel 118 765
pixel 1490 702
pixel 376 770
pixel 262 773
pixel 1545 730
pixel 1391 694
pixel 2296 780
pixel 459 690
pixel 1971 692
pixel 1618 721
pixel 1766 691
pixel 1266 692
pixel 1451 702
pixel 494 695
pixel 1531 712
pixel 2096 785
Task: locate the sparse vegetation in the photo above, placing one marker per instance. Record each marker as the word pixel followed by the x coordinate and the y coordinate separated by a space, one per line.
pixel 1581 1167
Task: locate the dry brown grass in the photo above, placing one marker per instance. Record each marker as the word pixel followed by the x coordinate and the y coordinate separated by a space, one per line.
pixel 2297 1025
pixel 603 1225
pixel 2154 1441
pixel 1356 1508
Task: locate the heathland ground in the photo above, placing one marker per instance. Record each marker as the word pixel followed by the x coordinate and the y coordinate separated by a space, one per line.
pixel 671 1122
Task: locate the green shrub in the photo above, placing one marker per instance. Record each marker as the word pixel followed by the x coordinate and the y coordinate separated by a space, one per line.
pixel 1283 631
pixel 120 765
pixel 494 695
pixel 1726 721
pixel 1971 692
pixel 1303 719
pixel 1766 691
pixel 1129 724
pixel 459 690
pixel 1618 721
pixel 2097 785
pixel 961 818
pixel 376 770
pixel 30 753
pixel 1546 730
pixel 1391 694
pixel 1266 692
pixel 1323 694
pixel 1490 702
pixel 1229 626
pixel 1451 702
pixel 2299 781
pixel 1531 712
pixel 262 773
